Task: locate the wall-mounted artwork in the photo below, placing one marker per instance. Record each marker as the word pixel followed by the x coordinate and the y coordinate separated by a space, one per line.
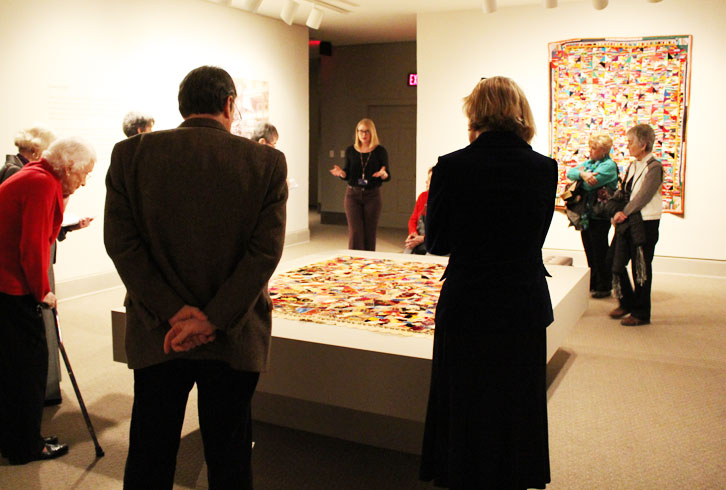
pixel 610 85
pixel 253 106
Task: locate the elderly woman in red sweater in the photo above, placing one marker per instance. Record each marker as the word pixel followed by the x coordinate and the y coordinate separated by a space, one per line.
pixel 31 212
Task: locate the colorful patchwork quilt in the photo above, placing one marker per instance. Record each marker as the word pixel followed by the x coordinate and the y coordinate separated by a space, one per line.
pixel 609 85
pixel 374 294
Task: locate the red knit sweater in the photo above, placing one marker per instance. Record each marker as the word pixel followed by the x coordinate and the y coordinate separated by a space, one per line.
pixel 417 211
pixel 31 212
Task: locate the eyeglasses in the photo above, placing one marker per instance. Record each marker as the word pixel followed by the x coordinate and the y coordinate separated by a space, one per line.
pixel 364 131
pixel 236 113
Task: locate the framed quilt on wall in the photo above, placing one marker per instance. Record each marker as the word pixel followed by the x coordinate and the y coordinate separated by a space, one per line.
pixel 252 104
pixel 610 85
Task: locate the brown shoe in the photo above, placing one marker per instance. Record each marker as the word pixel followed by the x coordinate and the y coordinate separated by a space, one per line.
pixel 618 313
pixel 631 321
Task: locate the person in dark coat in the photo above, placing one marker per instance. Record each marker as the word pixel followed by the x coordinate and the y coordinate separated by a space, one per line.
pixel 486 422
pixel 195 225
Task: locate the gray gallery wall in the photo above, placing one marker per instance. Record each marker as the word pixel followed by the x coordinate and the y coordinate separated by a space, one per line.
pixel 357 82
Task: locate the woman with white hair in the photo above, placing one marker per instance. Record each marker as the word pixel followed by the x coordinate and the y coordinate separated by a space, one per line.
pixel 31 143
pixel 31 213
pixel 599 176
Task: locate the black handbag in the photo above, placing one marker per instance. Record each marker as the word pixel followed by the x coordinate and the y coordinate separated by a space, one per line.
pixel 573 194
pixel 617 202
pixel 575 199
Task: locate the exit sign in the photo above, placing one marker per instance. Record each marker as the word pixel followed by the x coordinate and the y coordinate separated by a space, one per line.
pixel 412 79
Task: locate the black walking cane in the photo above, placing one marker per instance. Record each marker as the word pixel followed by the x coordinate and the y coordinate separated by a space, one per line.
pixel 99 451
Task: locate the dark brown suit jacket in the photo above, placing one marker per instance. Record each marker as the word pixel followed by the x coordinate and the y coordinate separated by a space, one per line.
pixel 196 215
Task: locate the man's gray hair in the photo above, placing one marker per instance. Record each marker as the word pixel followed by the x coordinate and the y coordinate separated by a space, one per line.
pixel 135 121
pixel 267 131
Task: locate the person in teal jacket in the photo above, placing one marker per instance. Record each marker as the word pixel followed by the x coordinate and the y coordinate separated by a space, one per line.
pixel 599 174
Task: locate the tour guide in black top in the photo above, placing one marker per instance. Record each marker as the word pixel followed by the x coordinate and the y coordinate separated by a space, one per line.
pixel 366 168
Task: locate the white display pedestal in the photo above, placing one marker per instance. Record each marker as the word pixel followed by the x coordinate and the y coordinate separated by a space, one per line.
pixel 367 386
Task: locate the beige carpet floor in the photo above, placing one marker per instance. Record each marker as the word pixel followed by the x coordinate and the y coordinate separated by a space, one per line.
pixel 629 408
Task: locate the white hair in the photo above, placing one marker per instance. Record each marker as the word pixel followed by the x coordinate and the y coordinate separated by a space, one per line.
pixel 72 153
pixel 36 138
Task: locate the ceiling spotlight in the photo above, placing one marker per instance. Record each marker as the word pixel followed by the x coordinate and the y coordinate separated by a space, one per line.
pixel 288 11
pixel 489 6
pixel 251 5
pixel 599 4
pixel 550 4
pixel 315 18
pixel 654 1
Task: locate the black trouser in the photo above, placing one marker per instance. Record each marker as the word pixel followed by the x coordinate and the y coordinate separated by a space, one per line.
pixel 160 398
pixel 23 371
pixel 636 298
pixel 595 243
pixel 362 209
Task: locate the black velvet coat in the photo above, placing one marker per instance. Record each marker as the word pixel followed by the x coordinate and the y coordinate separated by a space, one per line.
pixel 490 206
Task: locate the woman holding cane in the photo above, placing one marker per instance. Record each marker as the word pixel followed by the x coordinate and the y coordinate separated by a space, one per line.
pixel 31 213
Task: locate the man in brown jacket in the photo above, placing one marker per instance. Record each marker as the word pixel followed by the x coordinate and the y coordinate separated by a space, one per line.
pixel 195 224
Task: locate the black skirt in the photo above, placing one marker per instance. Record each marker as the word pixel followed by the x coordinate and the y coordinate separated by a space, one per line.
pixel 486 423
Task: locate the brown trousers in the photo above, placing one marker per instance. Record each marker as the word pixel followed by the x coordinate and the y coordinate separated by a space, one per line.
pixel 362 209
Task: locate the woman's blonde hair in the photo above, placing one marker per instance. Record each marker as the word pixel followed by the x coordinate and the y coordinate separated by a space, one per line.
pixel 498 104
pixel 34 139
pixel 374 134
pixel 601 141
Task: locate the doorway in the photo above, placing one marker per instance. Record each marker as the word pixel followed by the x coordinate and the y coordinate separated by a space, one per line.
pixel 396 126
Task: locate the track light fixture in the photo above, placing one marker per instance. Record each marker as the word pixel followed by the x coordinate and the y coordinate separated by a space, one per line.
pixel 599 4
pixel 550 4
pixel 251 5
pixel 489 6
pixel 288 11
pixel 315 18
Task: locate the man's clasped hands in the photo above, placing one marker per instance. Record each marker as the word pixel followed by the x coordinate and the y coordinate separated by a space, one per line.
pixel 190 328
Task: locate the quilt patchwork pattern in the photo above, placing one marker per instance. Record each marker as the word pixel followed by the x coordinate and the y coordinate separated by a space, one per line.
pixel 610 85
pixel 374 294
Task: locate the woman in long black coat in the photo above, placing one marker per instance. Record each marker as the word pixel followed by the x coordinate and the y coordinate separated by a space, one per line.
pixel 490 206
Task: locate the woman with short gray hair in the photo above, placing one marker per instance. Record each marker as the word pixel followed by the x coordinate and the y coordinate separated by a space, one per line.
pixel 636 229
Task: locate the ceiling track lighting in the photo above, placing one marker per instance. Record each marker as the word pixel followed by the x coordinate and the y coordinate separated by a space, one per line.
pixel 550 4
pixel 251 5
pixel 599 4
pixel 315 18
pixel 289 9
pixel 489 6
